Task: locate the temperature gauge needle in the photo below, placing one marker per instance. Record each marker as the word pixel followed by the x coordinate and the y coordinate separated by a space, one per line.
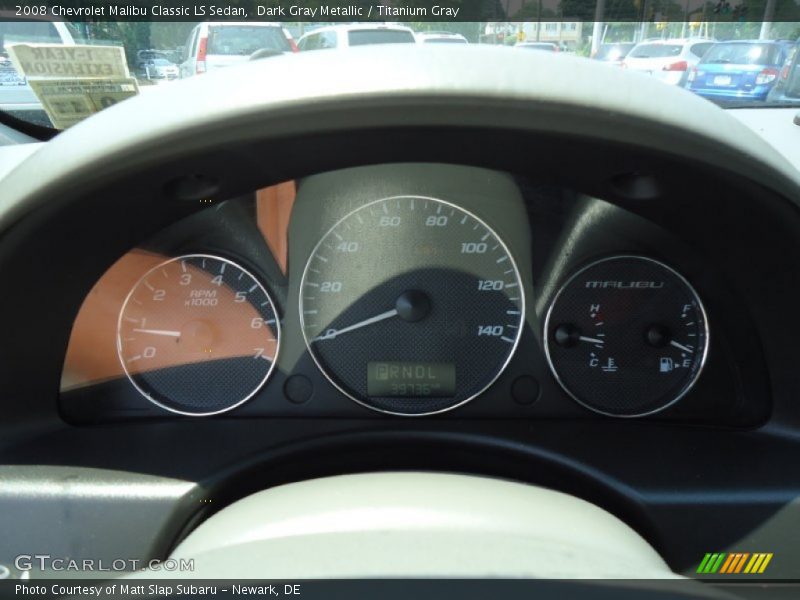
pixel 165 332
pixel 681 347
pixel 583 338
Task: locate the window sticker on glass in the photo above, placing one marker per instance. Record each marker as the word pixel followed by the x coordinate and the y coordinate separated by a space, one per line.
pixel 73 82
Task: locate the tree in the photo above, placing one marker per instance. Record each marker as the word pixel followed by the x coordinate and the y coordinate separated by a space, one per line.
pixel 132 35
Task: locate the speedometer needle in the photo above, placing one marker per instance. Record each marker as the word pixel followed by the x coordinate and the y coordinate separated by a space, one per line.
pixel 159 332
pixel 332 333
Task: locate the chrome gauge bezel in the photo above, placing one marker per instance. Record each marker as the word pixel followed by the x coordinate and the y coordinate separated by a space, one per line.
pixel 239 403
pixel 686 388
pixel 341 388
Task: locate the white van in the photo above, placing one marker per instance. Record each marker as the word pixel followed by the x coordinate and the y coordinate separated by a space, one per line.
pixel 361 34
pixel 16 96
pixel 214 45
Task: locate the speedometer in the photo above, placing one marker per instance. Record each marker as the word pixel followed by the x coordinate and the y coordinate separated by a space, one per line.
pixel 411 305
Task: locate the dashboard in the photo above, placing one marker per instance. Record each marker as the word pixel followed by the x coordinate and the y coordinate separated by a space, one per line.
pixel 550 280
pixel 412 290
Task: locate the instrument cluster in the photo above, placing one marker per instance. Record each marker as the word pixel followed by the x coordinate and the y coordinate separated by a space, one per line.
pixel 464 289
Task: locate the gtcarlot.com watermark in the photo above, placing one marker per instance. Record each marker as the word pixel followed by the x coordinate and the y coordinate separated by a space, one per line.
pixel 46 562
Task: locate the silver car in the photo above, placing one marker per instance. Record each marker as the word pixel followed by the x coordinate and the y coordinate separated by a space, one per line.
pixel 159 68
pixel 667 60
pixel 215 45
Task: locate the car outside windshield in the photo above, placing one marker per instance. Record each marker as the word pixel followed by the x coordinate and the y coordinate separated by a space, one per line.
pixel 742 54
pixel 27 31
pixel 545 47
pixel 164 52
pixel 656 50
pixel 444 41
pixel 244 40
pixel 364 37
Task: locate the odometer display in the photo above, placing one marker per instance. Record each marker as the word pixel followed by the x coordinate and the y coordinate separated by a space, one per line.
pixel 411 379
pixel 411 305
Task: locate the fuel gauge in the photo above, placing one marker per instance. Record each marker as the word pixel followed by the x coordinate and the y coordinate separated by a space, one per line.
pixel 626 336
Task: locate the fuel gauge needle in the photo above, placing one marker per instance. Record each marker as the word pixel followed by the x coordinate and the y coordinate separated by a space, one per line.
pixel 165 332
pixel 681 347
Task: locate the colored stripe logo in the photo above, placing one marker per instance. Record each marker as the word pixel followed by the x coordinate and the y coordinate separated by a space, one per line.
pixel 734 562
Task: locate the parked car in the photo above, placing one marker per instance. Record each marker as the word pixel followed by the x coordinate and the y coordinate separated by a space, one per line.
pixel 668 60
pixel 144 62
pixel 220 44
pixel 546 46
pixel 614 52
pixel 344 36
pixel 787 87
pixel 16 96
pixel 440 37
pixel 160 68
pixel 145 55
pixel 739 70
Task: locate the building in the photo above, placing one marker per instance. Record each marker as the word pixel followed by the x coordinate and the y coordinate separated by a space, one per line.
pixel 564 33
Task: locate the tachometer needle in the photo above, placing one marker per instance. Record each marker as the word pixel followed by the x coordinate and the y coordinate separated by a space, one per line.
pixel 681 346
pixel 583 338
pixel 159 332
pixel 332 333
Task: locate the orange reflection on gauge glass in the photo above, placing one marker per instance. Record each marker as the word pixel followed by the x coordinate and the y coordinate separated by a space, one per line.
pixel 198 335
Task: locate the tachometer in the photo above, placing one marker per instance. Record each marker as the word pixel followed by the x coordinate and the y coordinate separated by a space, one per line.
pixel 198 335
pixel 411 305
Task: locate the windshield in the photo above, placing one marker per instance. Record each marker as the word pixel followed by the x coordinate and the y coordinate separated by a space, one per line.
pixel 742 54
pixel 244 40
pixel 27 31
pixel 363 37
pixel 150 55
pixel 140 56
pixel 443 40
pixel 656 50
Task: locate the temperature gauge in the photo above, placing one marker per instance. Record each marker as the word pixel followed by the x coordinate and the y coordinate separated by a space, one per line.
pixel 626 336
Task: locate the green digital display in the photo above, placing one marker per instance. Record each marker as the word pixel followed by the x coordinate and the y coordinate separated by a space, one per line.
pixel 410 379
